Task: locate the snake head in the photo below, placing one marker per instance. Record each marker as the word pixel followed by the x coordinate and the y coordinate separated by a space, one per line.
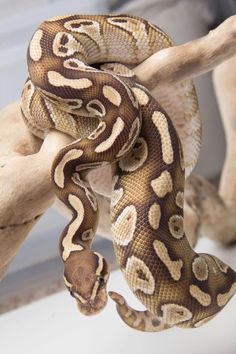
pixel 86 275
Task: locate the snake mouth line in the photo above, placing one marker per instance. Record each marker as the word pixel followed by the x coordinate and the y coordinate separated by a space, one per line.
pixel 92 307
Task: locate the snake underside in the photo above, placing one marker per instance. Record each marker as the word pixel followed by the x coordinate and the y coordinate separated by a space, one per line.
pixel 81 82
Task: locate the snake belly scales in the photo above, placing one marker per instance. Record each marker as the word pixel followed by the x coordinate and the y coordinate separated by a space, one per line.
pixel 81 83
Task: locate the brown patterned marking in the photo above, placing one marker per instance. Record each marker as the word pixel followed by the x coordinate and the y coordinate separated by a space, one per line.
pixel 74 104
pixel 78 181
pixel 67 243
pixel 91 198
pixel 76 295
pixel 96 107
pixel 221 265
pixel 203 321
pixel 200 268
pixel 89 27
pixel 139 276
pixel 85 185
pixel 203 298
pixel 174 314
pixel 160 121
pixel 26 99
pixel 117 128
pixel 142 320
pixel 112 95
pixel 35 49
pixel 58 80
pixel 134 131
pixel 76 64
pixel 124 227
pixel 174 267
pixel 100 263
pixel 67 283
pixel 65 48
pixel 99 130
pixel 130 94
pixel 179 199
pixel 136 157
pixel 141 96
pixel 135 28
pixel 59 177
pixel 89 165
pixel 87 235
pixel 118 69
pixel 54 112
pixel 176 226
pixel 154 216
pixel 222 299
pixel 70 104
pixel 162 184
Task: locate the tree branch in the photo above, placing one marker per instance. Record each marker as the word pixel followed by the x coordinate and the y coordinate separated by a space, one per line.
pixel 178 63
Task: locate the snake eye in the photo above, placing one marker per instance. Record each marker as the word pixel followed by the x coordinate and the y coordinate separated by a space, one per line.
pixel 101 280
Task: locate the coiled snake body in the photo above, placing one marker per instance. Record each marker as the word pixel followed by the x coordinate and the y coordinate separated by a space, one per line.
pixel 113 118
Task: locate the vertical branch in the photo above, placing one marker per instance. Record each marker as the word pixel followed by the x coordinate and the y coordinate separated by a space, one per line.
pixel 225 87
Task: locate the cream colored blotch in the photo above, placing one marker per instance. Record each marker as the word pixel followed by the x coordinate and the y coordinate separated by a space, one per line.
pixel 124 227
pixel 174 314
pixel 145 282
pixel 174 267
pixel 176 226
pixel 141 96
pixel 200 268
pixel 203 298
pixel 58 80
pixel 163 184
pixel 67 243
pixel 160 121
pixel 117 128
pixel 59 177
pixel 154 215
pixel 222 299
pixel 112 95
pixel 35 49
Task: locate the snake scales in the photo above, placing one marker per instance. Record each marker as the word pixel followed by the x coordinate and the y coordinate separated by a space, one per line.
pixel 81 83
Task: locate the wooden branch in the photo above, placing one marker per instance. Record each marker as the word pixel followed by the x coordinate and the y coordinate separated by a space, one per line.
pixel 25 179
pixel 216 211
pixel 189 60
pixel 224 78
pixel 213 218
pixel 25 164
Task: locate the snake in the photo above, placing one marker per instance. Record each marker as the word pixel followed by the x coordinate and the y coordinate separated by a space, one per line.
pixel 81 82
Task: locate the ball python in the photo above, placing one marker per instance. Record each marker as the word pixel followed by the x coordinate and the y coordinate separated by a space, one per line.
pixel 81 82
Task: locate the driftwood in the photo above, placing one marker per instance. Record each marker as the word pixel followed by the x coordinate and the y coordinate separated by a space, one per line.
pixel 215 211
pixel 25 161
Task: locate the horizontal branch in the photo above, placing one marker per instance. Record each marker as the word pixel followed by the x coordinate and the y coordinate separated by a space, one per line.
pixel 178 63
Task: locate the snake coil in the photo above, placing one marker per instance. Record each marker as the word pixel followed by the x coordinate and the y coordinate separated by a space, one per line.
pixel 81 83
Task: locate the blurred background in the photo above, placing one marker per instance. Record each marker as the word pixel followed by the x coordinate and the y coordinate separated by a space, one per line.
pixel 37 263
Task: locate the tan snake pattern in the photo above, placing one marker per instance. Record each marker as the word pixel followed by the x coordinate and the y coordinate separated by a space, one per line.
pixel 81 82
